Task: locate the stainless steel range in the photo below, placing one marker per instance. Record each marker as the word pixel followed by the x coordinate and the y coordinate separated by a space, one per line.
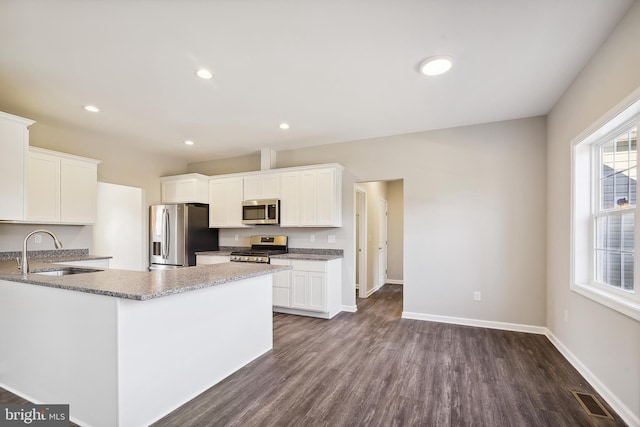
pixel 262 247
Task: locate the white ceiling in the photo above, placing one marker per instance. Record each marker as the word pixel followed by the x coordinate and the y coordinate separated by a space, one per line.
pixel 336 70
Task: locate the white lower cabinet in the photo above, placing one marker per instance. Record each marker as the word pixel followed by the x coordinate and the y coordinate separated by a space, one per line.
pixel 310 288
pixel 205 259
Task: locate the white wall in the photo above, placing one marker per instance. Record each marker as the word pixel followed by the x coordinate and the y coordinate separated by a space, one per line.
pixel 474 215
pixel 604 341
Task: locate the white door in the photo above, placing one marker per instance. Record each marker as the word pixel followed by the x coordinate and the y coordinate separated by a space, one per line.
pixel 382 243
pixel 120 226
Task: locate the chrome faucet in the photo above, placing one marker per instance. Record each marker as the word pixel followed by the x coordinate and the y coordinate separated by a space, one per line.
pixel 24 264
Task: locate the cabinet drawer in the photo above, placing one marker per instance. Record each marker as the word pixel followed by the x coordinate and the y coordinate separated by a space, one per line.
pixel 309 265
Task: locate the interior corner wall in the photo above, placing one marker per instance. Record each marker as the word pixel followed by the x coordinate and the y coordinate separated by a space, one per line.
pixel 604 341
pixel 474 214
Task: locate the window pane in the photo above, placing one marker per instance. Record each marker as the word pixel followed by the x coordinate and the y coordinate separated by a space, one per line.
pixel 607 193
pixel 613 232
pixel 607 154
pixel 614 269
pixel 628 232
pixel 627 264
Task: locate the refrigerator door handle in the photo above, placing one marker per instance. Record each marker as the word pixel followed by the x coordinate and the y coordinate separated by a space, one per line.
pixel 165 233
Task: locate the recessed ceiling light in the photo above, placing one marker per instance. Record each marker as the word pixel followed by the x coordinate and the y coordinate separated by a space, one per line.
pixel 189 142
pixel 284 126
pixel 436 65
pixel 203 73
pixel 91 108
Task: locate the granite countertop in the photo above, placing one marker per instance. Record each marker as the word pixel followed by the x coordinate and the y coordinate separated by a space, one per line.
pixel 137 285
pixel 307 257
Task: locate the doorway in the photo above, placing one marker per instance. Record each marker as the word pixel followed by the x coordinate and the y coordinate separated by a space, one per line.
pixel 379 235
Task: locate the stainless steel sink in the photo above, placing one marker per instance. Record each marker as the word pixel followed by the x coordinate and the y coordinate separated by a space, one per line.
pixel 66 271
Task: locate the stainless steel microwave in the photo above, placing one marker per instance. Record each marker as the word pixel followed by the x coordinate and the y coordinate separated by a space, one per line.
pixel 261 211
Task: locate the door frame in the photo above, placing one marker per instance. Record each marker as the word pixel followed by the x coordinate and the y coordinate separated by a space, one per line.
pixel 383 243
pixel 360 197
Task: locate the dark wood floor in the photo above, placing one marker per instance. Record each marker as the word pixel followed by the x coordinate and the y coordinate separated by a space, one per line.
pixel 372 368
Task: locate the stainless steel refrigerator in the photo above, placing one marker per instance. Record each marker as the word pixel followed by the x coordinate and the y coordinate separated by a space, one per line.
pixel 177 232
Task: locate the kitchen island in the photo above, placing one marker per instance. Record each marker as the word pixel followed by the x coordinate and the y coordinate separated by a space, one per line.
pixel 124 348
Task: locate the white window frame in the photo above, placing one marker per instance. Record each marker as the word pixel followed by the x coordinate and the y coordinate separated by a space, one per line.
pixel 585 197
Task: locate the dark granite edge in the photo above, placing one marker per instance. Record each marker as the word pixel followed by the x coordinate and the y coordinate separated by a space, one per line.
pixel 317 251
pixel 137 297
pixel 209 284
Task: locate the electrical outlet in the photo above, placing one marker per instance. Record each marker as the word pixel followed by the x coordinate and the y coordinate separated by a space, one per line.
pixel 477 296
pixel 312 238
pixel 236 237
pixel 37 238
pixel 331 239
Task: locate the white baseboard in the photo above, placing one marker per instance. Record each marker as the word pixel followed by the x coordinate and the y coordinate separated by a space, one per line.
pixel 395 281
pixel 621 409
pixel 516 327
pixel 350 308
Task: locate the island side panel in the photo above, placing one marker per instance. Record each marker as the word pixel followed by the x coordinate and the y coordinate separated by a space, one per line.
pixel 173 348
pixel 59 347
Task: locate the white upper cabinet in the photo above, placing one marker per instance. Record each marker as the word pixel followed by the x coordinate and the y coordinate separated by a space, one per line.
pixel 188 188
pixel 61 188
pixel 225 202
pixel 14 144
pixel 262 186
pixel 312 197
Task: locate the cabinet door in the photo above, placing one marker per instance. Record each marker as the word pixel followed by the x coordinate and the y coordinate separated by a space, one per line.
pixel 217 203
pixel 179 191
pixel 325 197
pixel 299 289
pixel 308 198
pixel 43 188
pixel 290 199
pixel 252 188
pixel 281 297
pixel 14 138
pixel 234 202
pixel 270 184
pixel 225 203
pixel 263 186
pixel 78 191
pixel 316 289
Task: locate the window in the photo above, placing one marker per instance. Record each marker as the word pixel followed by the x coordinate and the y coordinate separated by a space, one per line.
pixel 613 218
pixel 604 220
